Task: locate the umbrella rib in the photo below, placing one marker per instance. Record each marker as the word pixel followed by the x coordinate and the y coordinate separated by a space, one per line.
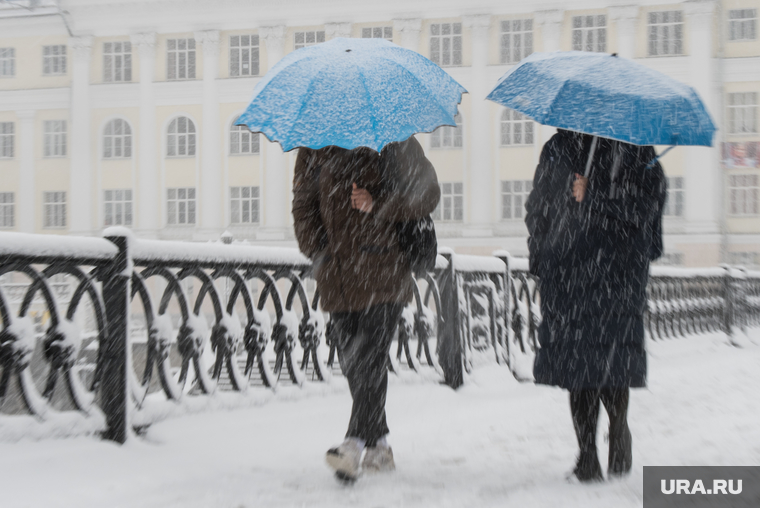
pixel 372 116
pixel 305 95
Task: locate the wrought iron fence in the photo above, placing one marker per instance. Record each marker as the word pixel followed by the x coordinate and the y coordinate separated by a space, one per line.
pixel 115 327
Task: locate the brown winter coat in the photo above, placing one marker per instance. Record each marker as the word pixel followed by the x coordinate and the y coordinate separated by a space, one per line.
pixel 356 255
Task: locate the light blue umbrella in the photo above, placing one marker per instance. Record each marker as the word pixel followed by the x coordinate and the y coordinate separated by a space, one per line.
pixel 606 96
pixel 351 93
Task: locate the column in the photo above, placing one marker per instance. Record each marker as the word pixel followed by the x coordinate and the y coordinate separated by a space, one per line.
pixel 148 199
pixel 27 199
pixel 210 191
pixel 333 30
pixel 481 181
pixel 703 176
pixel 409 32
pixel 80 189
pixel 550 22
pixel 275 185
pixel 625 18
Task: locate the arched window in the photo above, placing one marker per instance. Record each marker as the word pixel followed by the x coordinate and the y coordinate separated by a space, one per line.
pixel 448 137
pixel 516 128
pixel 117 140
pixel 180 138
pixel 243 141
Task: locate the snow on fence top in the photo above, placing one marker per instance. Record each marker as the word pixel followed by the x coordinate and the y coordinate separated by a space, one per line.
pixel 77 248
pixel 207 254
pixel 675 272
pixel 487 264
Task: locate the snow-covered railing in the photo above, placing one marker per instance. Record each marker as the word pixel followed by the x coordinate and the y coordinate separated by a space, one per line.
pixel 122 330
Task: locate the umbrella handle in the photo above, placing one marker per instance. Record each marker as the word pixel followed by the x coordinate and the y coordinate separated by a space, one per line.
pixel 590 156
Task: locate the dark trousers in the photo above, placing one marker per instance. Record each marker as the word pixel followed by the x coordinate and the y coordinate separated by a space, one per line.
pixel 584 406
pixel 364 341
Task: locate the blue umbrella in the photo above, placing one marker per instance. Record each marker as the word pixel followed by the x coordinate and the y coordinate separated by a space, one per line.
pixel 602 95
pixel 351 93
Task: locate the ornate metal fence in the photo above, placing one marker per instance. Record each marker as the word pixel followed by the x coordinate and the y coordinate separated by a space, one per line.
pixel 120 329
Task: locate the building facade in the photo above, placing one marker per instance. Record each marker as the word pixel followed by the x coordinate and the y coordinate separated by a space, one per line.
pixel 122 113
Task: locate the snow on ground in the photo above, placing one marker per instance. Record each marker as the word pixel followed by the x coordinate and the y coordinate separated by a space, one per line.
pixel 495 442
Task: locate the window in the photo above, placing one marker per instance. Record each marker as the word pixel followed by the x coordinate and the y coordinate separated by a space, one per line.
pixel 743 194
pixel 244 55
pixel 54 60
pixel 6 140
pixel 451 206
pixel 514 193
pixel 117 140
pixel 180 206
pixel 742 113
pixel 303 39
pixel 118 207
pixel 244 205
pixel 674 201
pixel 742 258
pixel 243 141
pixel 6 210
pixel 180 138
pixel 117 61
pixel 447 137
pixel 665 33
pixel 742 25
pixel 516 40
pixel 54 215
pixel 55 138
pixel 378 32
pixel 590 33
pixel 7 62
pixel 446 43
pixel 180 59
pixel 516 128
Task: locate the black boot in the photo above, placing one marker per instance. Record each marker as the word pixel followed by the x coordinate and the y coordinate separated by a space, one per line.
pixel 584 406
pixel 615 401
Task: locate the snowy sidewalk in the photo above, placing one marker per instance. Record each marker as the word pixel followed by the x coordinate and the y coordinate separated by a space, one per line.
pixel 494 442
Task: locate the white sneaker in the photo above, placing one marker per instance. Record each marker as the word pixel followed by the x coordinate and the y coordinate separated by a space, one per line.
pixel 345 459
pixel 379 459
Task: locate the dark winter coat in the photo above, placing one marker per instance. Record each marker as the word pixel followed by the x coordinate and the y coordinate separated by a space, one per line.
pixel 592 259
pixel 356 255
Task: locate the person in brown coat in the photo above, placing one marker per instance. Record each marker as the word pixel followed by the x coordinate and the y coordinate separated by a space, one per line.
pixel 346 204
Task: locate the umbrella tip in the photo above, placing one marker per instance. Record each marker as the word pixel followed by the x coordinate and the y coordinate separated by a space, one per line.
pixel 614 54
pixel 348 51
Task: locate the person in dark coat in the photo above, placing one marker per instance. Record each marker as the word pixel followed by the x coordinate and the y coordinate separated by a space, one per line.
pixel 346 204
pixel 591 242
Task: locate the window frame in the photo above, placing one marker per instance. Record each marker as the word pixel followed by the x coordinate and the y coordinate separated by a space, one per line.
pixel 237 139
pixel 748 111
pixel 589 35
pixel 121 205
pixel 7 140
pixel 734 23
pixel 657 27
pixel 54 58
pixel 386 32
pixel 515 198
pixel 455 135
pixel 117 65
pixel 676 198
pixel 174 139
pixel 124 138
pixel 190 208
pixel 512 34
pixel 318 34
pixel 451 202
pixel 740 196
pixel 7 210
pixel 237 60
pixel 440 39
pixel 174 56
pixel 252 201
pixel 55 138
pixel 54 209
pixel 523 121
pixel 7 63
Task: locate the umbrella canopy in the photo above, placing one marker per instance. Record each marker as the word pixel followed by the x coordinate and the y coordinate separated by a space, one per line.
pixel 351 93
pixel 607 96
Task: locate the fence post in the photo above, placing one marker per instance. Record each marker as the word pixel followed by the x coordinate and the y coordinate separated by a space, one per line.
pixel 115 351
pixel 507 284
pixel 728 302
pixel 450 353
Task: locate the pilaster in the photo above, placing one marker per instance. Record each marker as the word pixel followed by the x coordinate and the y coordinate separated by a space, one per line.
pixel 80 189
pixel 27 198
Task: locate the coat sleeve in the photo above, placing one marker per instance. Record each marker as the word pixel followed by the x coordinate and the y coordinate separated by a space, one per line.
pixel 537 210
pixel 657 247
pixel 412 190
pixel 636 207
pixel 307 220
